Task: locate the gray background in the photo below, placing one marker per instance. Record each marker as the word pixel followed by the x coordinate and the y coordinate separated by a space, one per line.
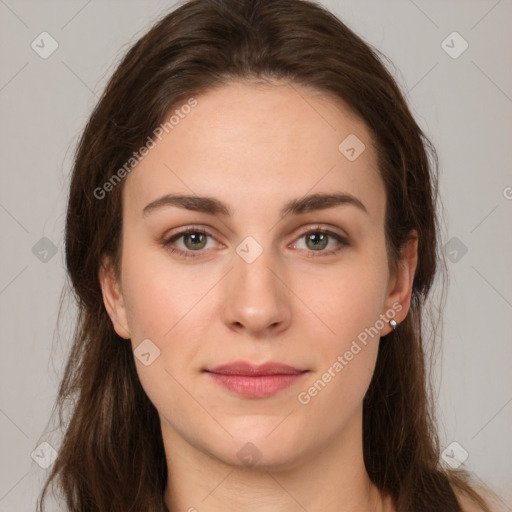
pixel 464 104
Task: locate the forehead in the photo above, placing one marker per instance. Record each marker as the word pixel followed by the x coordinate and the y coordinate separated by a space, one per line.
pixel 243 142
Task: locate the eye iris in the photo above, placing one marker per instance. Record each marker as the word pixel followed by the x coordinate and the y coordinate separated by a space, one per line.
pixel 198 240
pixel 319 240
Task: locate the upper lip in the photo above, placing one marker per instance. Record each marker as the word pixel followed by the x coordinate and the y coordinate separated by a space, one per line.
pixel 245 368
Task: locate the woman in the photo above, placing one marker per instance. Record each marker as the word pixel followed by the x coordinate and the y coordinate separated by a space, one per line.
pixel 252 236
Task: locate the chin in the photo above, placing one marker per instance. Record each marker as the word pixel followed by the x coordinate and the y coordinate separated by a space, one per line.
pixel 265 449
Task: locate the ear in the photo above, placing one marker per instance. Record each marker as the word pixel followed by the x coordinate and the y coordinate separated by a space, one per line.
pixel 113 299
pixel 400 285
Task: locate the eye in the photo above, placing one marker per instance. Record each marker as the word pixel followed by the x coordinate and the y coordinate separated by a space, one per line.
pixel 194 240
pixel 318 239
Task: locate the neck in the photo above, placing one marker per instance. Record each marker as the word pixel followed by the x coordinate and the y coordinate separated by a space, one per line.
pixel 332 479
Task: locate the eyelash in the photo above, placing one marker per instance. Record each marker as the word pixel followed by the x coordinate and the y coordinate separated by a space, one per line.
pixel 191 254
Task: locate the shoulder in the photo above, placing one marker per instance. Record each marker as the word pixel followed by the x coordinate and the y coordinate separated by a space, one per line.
pixel 467 504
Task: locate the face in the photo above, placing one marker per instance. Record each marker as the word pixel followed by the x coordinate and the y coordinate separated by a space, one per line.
pixel 257 273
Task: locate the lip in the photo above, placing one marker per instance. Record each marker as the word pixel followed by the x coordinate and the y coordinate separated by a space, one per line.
pixel 255 370
pixel 255 381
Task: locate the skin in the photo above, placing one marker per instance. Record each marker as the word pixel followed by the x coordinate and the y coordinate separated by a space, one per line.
pixel 256 147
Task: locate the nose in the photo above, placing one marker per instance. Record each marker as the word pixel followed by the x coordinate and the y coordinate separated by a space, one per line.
pixel 257 299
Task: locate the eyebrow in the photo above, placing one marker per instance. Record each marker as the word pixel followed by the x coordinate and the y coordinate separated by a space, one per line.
pixel 213 206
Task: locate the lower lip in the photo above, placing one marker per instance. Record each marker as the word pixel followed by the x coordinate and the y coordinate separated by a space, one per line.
pixel 256 387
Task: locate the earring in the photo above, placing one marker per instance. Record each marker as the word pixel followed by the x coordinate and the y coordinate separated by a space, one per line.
pixel 393 324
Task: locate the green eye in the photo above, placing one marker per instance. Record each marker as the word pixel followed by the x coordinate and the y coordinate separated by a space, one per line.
pixel 195 241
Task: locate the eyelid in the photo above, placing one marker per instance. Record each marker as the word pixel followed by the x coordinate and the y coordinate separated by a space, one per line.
pixel 322 227
pixel 186 230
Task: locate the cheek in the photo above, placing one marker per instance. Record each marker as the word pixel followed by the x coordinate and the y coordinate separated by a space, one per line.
pixel 174 307
pixel 345 354
pixel 162 306
pixel 344 301
pixel 158 295
pixel 344 329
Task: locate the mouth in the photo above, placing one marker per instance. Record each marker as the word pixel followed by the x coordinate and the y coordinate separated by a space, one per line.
pixel 255 381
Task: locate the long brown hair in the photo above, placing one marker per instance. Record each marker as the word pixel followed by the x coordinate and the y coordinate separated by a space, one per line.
pixel 112 457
